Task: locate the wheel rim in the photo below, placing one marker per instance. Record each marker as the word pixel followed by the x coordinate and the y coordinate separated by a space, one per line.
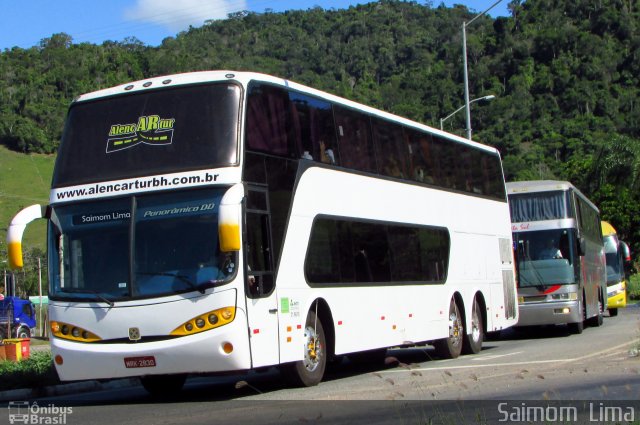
pixel 312 349
pixel 455 325
pixel 475 324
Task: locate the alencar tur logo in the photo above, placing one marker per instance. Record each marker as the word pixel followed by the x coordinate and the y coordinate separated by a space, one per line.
pixel 150 130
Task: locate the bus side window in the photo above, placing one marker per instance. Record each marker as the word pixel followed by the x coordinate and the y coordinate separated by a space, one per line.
pixel 390 149
pixel 314 128
pixel 354 140
pixel 272 126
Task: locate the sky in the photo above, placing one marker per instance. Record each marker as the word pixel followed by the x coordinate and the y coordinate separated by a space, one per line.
pixel 24 23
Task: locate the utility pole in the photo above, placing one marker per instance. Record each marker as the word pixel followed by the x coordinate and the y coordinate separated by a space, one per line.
pixel 464 62
pixel 40 294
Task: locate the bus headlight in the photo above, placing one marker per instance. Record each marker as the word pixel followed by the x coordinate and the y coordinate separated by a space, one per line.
pixel 73 333
pixel 615 290
pixel 206 321
pixel 567 296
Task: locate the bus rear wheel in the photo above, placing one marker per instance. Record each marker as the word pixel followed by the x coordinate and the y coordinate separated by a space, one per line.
pixel 310 370
pixel 451 347
pixel 472 343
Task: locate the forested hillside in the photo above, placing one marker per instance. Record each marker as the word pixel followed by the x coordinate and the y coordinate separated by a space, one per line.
pixel 565 73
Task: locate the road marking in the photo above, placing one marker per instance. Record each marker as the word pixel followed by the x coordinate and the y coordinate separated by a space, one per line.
pixel 604 351
pixel 426 369
pixel 495 356
pixel 532 362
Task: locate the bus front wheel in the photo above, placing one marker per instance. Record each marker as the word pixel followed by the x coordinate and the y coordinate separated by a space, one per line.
pixel 451 347
pixel 598 320
pixel 310 370
pixel 578 327
pixel 613 312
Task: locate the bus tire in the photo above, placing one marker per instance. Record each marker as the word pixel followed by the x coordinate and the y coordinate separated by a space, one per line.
pixel 613 312
pixel 598 319
pixel 310 370
pixel 578 327
pixel 451 347
pixel 472 343
pixel 163 386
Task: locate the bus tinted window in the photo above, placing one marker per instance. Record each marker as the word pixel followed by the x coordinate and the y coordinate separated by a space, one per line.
pixel 149 133
pixel 589 221
pixel 289 124
pixel 539 206
pixel 391 149
pixel 270 126
pixel 493 177
pixel 314 128
pixel 354 138
pixel 355 252
pixel 424 167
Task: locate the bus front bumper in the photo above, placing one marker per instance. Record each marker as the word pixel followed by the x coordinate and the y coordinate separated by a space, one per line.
pixel 617 301
pixel 549 313
pixel 199 353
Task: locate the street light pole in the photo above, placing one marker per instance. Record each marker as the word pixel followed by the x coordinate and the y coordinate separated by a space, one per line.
pixel 464 62
pixel 442 120
pixel 466 78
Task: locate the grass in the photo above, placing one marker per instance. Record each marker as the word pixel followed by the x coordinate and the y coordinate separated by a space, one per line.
pixel 34 372
pixel 24 180
pixel 634 287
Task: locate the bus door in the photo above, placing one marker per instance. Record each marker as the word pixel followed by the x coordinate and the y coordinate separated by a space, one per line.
pixel 261 299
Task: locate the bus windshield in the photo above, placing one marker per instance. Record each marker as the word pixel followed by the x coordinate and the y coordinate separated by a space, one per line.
pixel 138 247
pixel 614 259
pixel 545 257
pixel 156 132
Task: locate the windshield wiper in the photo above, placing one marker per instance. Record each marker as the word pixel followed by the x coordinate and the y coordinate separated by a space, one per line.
pixel 180 277
pixel 88 291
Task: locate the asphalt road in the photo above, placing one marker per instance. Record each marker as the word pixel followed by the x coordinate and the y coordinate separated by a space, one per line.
pixel 598 368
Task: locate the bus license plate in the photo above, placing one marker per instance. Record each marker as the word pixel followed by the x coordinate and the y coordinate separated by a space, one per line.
pixel 143 361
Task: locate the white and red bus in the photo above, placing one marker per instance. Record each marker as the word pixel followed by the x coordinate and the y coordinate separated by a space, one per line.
pixel 560 255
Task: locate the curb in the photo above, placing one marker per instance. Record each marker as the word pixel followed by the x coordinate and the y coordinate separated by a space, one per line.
pixel 24 394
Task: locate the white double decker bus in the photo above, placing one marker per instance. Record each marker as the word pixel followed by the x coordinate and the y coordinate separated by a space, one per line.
pixel 560 255
pixel 225 221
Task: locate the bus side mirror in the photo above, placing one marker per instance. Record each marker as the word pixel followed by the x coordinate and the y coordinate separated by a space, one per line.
pixel 229 218
pixel 16 230
pixel 582 246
